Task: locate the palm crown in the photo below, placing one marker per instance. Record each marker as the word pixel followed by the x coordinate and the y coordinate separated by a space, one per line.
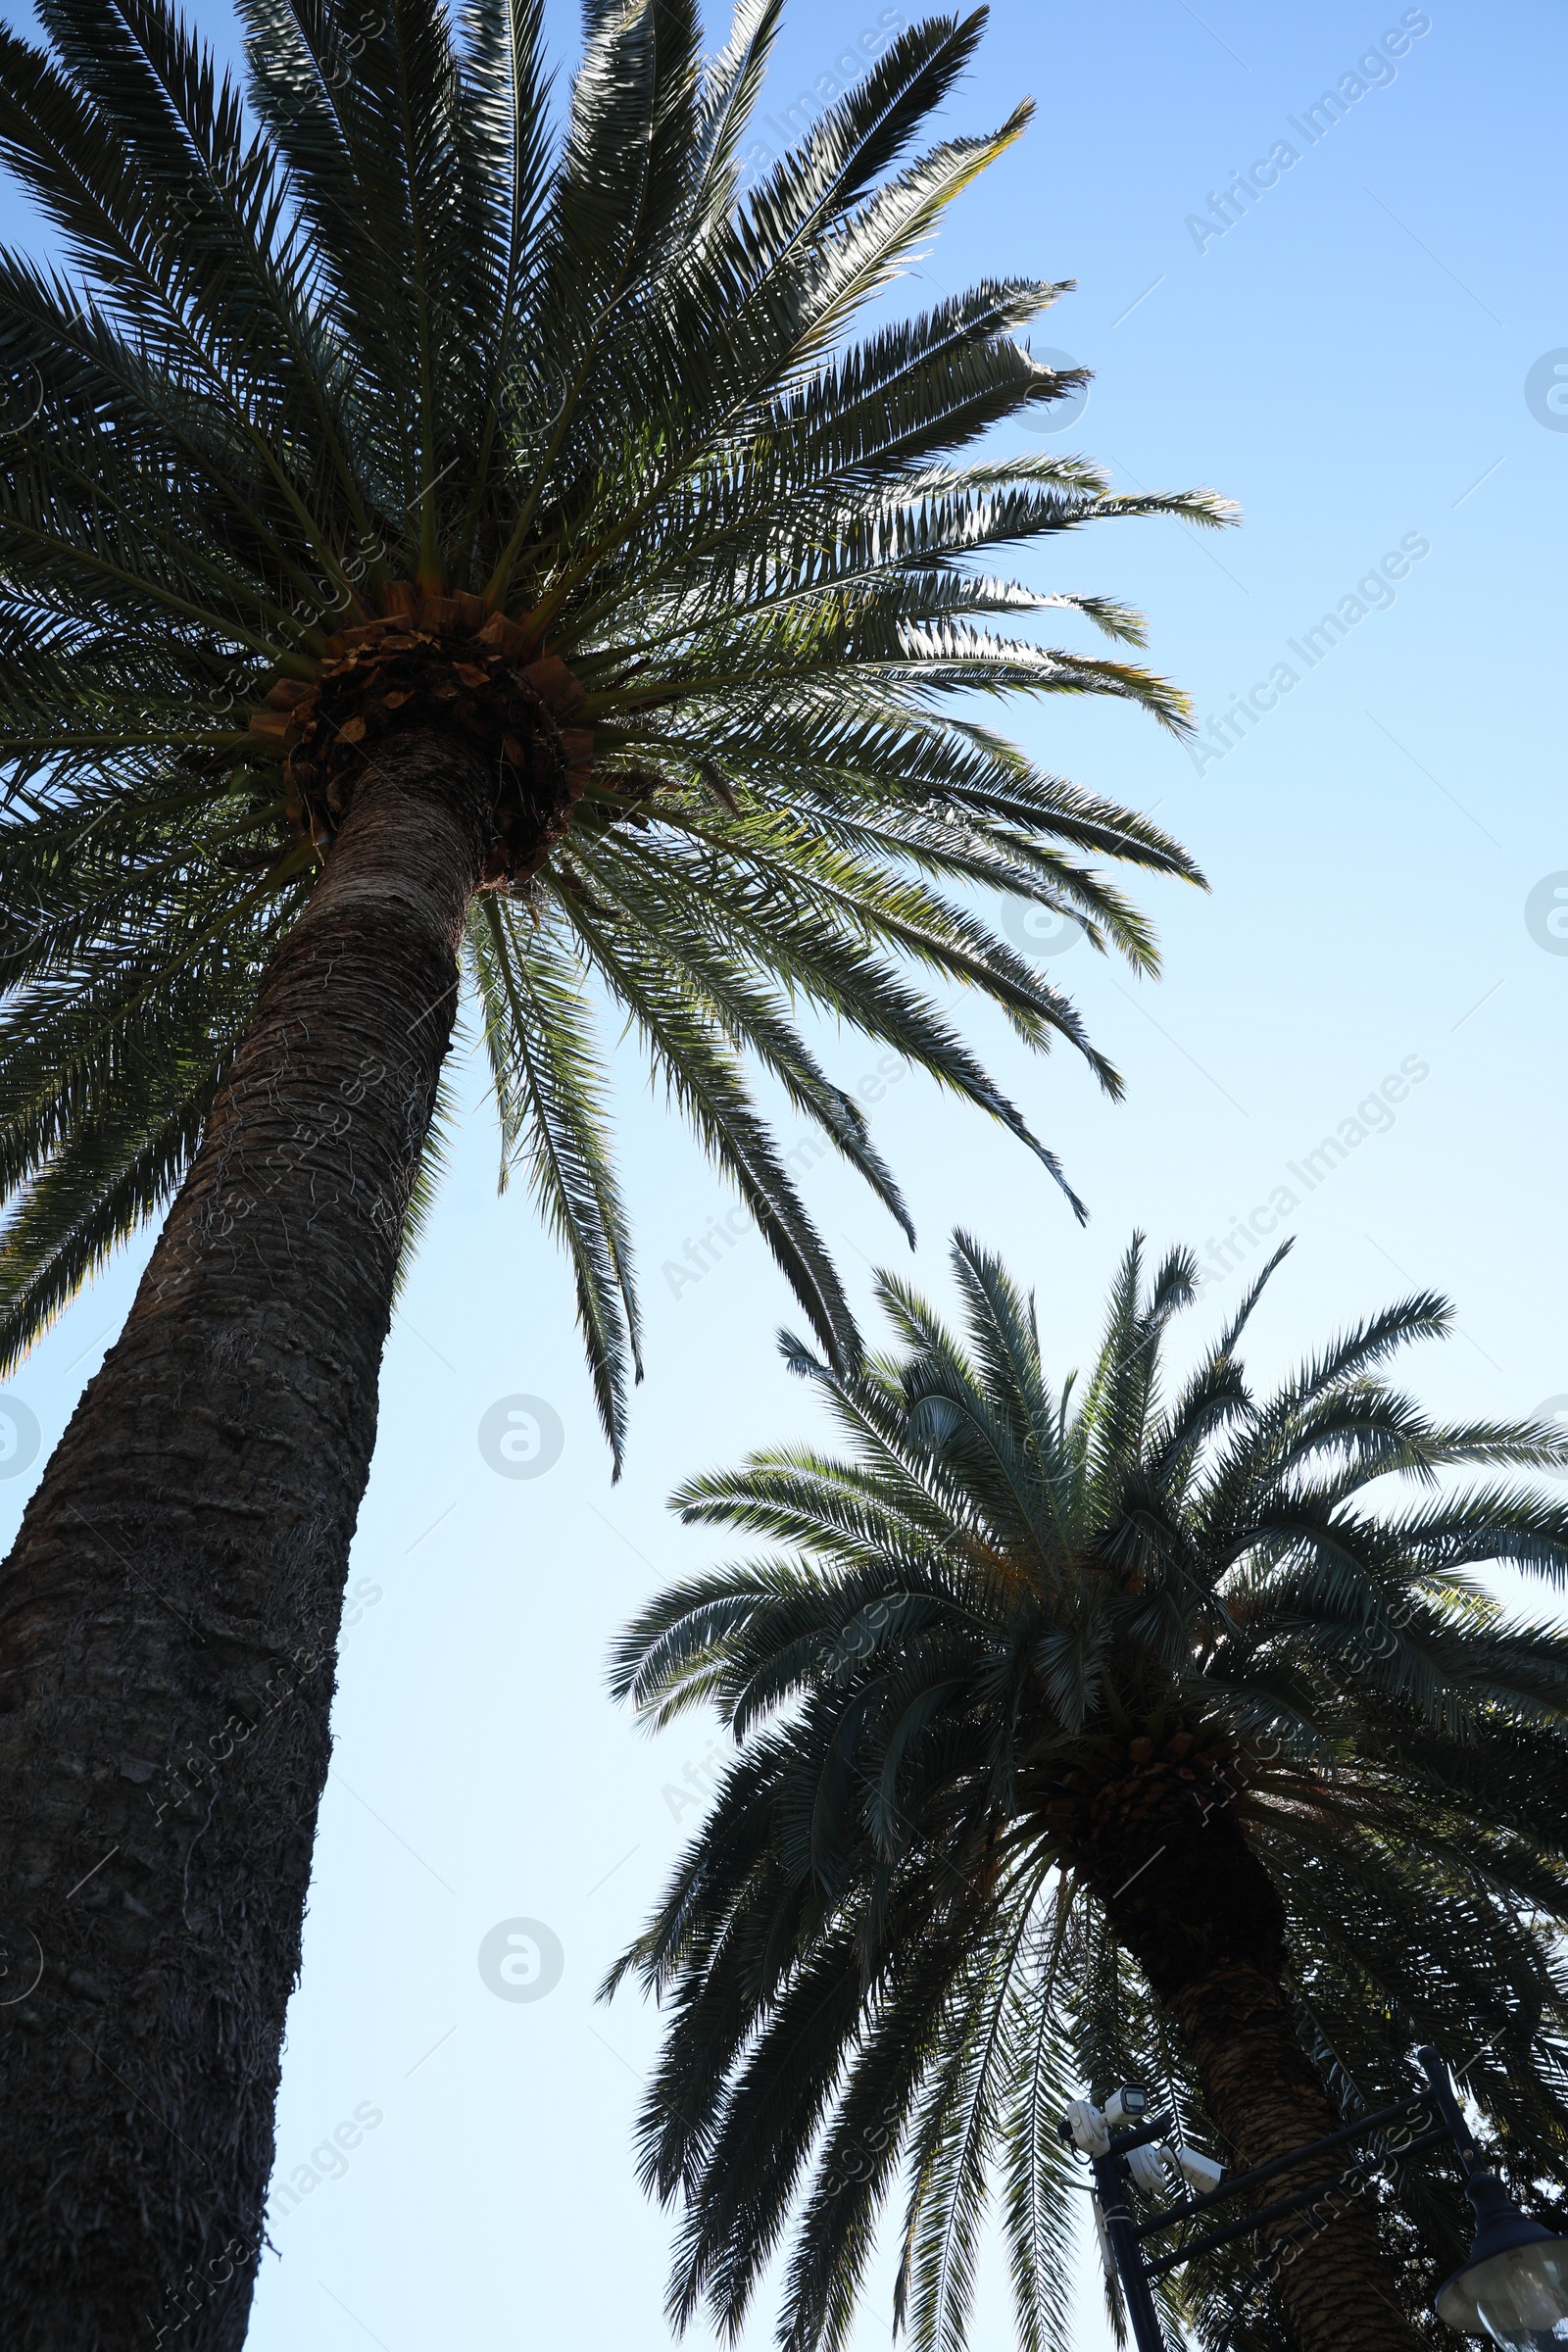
pixel 1039 1679
pixel 379 347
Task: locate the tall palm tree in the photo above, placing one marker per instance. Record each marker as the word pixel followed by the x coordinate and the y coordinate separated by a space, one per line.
pixel 438 548
pixel 1092 1737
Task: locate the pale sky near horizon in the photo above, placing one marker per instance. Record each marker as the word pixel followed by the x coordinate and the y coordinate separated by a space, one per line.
pixel 1366 356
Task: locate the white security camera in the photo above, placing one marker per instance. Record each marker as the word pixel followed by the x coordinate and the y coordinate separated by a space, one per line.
pixel 1089 2128
pixel 1201 2172
pixel 1159 2168
pixel 1162 2170
pixel 1084 2128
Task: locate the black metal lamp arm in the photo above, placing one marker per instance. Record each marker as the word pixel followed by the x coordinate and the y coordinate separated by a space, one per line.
pixel 1447 2106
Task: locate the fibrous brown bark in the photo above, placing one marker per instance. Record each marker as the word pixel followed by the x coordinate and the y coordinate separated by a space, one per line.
pixel 169 1613
pixel 1188 1896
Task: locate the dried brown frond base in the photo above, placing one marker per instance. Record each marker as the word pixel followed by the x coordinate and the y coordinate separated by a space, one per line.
pixel 444 662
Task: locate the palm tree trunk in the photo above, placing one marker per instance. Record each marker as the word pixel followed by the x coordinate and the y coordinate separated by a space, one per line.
pixel 1266 2098
pixel 1200 1915
pixel 168 1615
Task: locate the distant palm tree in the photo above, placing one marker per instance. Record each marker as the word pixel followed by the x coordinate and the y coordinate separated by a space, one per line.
pixel 1091 1737
pixel 432 546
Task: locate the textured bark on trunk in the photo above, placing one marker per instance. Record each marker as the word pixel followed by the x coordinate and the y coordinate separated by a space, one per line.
pixel 1187 1895
pixel 170 1614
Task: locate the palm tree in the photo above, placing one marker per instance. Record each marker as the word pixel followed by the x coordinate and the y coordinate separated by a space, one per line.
pixel 1094 1737
pixel 438 550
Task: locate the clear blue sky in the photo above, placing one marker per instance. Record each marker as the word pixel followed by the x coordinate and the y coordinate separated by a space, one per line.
pixel 1349 360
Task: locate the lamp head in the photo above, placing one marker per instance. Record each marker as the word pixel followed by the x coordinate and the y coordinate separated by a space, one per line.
pixel 1513 2290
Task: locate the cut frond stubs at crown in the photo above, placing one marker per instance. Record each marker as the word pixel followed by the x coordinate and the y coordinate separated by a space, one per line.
pixel 711 579
pixel 437 662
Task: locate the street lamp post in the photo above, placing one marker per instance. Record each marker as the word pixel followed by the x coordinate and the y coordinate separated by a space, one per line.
pixel 1512 2292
